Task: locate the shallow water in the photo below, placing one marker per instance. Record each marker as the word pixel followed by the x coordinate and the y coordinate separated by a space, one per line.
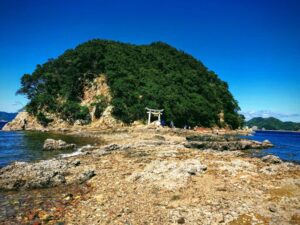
pixel 27 207
pixel 28 145
pixel 31 206
pixel 286 144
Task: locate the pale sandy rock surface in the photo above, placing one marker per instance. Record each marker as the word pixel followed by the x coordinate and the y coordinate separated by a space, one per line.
pixel 23 121
pixel 51 144
pixel 169 175
pixel 43 174
pixel 148 176
pixel 153 179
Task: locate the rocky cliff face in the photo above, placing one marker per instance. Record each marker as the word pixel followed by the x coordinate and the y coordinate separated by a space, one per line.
pixel 23 121
pixel 99 87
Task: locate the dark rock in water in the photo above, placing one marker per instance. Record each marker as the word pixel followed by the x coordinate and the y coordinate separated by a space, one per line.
pixel 267 144
pixel 224 143
pixel 51 144
pixel 271 159
pixel 43 174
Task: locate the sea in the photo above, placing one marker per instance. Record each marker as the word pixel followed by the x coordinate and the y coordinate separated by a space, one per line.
pixel 2 124
pixel 27 145
pixel 286 144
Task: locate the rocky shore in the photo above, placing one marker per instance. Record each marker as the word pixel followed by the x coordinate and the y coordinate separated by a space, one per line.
pixel 164 176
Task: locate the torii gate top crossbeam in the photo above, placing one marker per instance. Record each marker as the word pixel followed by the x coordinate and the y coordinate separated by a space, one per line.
pixel 154 110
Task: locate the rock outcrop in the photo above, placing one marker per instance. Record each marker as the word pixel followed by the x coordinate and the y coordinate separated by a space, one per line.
pixel 99 87
pixel 51 144
pixel 23 121
pixel 147 176
pixel 225 143
pixel 43 174
pixel 169 175
pixel 272 159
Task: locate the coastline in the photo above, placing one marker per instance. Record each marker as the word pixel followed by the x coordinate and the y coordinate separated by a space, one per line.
pixel 282 131
pixel 133 183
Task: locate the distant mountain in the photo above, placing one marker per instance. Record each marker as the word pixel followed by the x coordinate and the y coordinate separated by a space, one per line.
pixel 4 116
pixel 272 123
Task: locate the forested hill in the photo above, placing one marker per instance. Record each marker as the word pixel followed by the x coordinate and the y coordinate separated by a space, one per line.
pixel 155 76
pixel 272 123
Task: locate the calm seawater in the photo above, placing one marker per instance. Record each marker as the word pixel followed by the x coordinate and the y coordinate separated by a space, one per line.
pixel 28 146
pixel 286 144
pixel 2 125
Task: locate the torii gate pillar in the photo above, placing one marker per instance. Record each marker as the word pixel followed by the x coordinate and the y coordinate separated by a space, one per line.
pixel 149 117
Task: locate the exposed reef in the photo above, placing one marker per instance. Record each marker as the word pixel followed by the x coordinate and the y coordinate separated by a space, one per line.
pixel 225 143
pixel 149 176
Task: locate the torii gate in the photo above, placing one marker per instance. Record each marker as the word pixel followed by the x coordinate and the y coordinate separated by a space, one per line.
pixel 154 112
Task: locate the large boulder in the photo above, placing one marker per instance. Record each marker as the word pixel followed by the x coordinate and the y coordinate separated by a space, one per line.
pixel 43 174
pixel 272 159
pixel 51 144
pixel 223 143
pixel 22 175
pixel 267 144
pixel 23 121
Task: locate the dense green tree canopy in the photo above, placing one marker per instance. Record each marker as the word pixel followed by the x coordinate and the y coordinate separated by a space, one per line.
pixel 154 76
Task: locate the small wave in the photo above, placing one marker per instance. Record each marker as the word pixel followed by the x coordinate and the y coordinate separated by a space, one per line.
pixel 77 152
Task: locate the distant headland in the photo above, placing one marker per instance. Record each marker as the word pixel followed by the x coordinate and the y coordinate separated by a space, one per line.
pixel 272 123
pixel 6 117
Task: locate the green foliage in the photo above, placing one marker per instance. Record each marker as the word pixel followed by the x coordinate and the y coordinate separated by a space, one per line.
pixel 234 121
pixel 154 76
pixel 43 119
pixel 272 123
pixel 71 111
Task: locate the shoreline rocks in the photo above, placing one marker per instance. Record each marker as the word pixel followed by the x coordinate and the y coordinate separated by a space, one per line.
pixel 23 121
pixel 42 174
pixel 51 144
pixel 225 143
pixel 168 175
pixel 144 178
pixel 272 159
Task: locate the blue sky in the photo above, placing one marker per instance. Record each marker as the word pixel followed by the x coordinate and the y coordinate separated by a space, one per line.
pixel 253 45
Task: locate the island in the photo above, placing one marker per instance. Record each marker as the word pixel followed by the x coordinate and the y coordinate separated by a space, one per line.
pixel 170 151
